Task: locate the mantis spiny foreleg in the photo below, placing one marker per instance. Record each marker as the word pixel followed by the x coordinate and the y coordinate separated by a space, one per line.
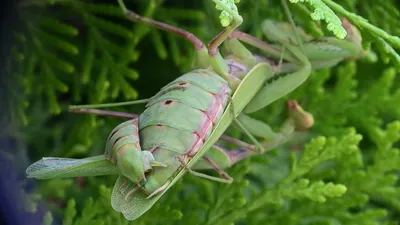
pixel 297 120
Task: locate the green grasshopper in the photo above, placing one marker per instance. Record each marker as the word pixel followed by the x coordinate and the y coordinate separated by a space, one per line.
pixel 177 129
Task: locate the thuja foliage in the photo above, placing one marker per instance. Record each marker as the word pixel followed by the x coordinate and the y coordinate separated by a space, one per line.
pixel 344 170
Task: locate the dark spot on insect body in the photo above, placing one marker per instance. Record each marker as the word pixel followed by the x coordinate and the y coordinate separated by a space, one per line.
pixel 182 83
pixel 159 125
pixel 168 103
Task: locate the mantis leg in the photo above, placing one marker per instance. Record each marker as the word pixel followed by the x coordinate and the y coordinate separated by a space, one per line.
pixel 201 49
pixel 202 175
pixel 232 156
pixel 259 148
pixel 216 60
pixel 298 119
pixel 217 168
pixel 218 158
pixel 105 113
pixel 234 45
pixel 237 142
pixel 107 105
pixel 197 43
pixel 281 86
pixel 93 109
pixel 208 177
pixel 204 57
pixel 243 128
pixel 221 37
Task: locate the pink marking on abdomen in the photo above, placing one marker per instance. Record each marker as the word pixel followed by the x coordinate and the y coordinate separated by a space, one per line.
pixel 222 96
pixel 196 147
pixel 216 108
pixel 206 125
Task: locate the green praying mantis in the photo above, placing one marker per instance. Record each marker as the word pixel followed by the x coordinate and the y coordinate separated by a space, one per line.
pixel 180 125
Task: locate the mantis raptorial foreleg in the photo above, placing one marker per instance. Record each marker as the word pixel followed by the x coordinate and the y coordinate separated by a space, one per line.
pixel 282 86
pixel 273 91
pixel 298 120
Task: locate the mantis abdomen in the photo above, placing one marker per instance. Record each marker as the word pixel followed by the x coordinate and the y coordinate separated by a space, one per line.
pixel 123 148
pixel 179 119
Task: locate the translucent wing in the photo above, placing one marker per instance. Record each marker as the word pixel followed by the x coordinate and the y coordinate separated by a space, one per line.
pixel 53 167
pixel 131 205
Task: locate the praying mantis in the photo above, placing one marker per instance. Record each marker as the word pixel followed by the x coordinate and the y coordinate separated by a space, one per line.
pixel 177 131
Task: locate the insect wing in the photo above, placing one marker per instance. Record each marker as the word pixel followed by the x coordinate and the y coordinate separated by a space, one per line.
pixel 131 205
pixel 54 167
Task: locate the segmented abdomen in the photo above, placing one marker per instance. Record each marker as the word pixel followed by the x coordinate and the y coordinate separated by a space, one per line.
pixel 180 118
pixel 123 135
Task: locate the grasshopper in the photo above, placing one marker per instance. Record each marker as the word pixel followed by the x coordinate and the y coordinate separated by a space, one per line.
pixel 183 121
